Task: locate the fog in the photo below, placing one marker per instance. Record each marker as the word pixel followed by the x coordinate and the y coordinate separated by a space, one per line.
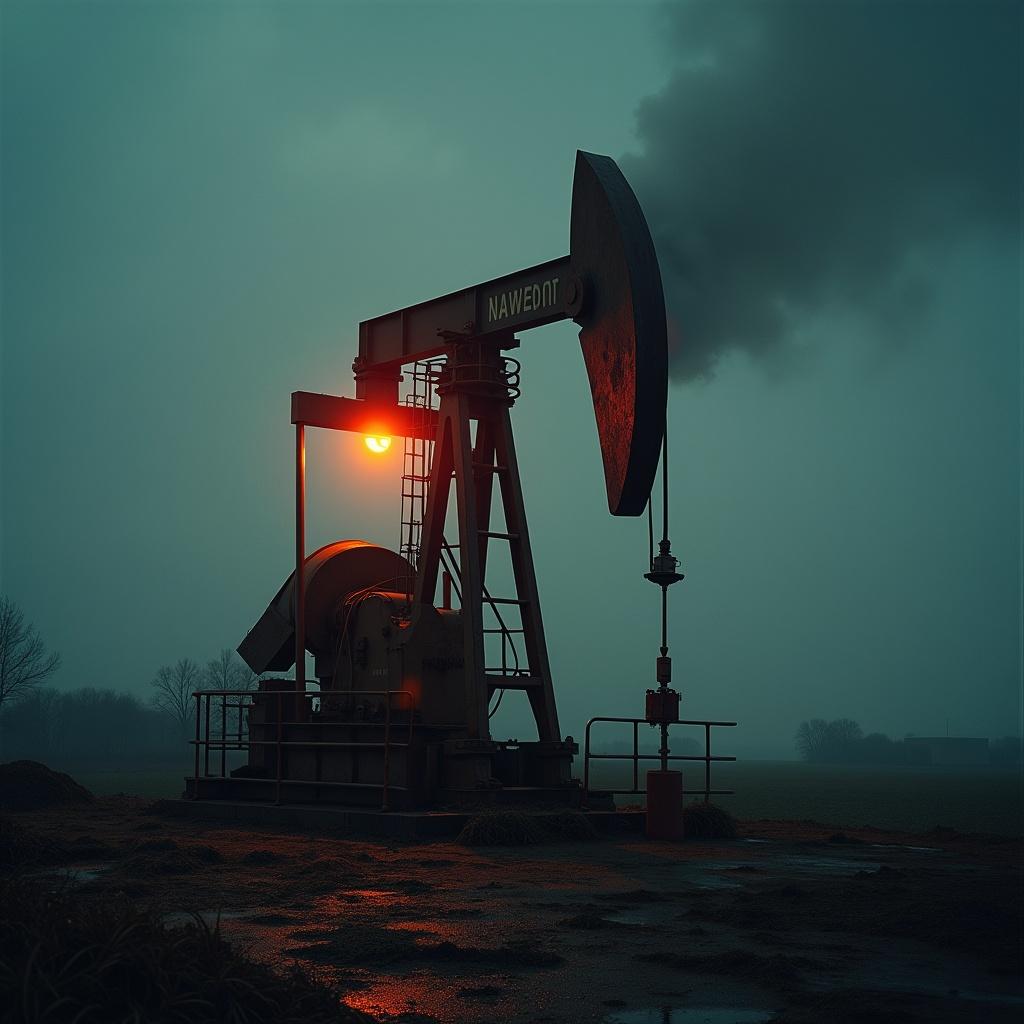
pixel 200 203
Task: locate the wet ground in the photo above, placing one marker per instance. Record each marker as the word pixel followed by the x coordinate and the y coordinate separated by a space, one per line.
pixel 793 922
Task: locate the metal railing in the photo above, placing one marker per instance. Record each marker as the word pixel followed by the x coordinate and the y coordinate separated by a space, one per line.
pixel 636 757
pixel 240 739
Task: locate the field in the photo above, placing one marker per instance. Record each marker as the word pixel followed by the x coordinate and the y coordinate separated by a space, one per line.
pixel 791 923
pixel 911 799
pixel 906 799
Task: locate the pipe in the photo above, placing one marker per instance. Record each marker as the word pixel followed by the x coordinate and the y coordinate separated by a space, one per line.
pixel 300 557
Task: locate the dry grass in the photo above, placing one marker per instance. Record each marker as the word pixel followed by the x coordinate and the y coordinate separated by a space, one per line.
pixel 22 848
pixel 509 827
pixel 64 957
pixel 706 821
pixel 501 828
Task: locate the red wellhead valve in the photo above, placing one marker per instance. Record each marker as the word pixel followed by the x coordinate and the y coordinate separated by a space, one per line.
pixel 662 706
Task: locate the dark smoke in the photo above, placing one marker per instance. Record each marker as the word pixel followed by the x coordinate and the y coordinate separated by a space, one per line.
pixel 810 157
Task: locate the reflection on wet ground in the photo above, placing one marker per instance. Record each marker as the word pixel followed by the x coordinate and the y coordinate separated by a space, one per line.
pixel 84 872
pixel 484 996
pixel 791 923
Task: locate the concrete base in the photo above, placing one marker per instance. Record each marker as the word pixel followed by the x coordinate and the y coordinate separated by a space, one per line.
pixel 359 796
pixel 389 824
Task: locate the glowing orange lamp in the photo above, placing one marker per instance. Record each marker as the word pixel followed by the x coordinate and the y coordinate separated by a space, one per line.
pixel 377 443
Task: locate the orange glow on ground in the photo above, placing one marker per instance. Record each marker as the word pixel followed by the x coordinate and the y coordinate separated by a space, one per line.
pixel 377 443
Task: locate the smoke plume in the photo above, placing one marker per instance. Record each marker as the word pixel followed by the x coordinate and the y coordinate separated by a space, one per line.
pixel 809 157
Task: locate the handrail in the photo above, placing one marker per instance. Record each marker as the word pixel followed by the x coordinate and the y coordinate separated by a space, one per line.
pixel 636 757
pixel 207 743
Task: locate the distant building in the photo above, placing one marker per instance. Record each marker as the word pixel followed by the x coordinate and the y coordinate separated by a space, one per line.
pixel 946 750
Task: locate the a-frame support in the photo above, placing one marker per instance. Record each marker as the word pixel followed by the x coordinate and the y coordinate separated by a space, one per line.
pixel 474 470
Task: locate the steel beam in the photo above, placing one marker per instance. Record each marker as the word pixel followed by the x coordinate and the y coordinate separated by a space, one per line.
pixel 336 413
pixel 516 302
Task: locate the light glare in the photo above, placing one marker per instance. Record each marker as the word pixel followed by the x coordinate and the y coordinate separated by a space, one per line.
pixel 377 444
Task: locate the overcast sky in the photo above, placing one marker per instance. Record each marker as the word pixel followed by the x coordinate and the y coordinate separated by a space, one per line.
pixel 201 201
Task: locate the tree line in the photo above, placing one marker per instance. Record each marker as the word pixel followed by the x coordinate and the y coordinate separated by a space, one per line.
pixel 842 741
pixel 107 729
pixel 102 728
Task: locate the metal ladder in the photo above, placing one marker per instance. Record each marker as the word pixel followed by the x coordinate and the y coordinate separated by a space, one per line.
pixel 416 459
pixel 416 464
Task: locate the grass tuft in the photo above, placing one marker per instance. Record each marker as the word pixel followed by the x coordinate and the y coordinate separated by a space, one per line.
pixel 111 961
pixel 707 821
pixel 568 826
pixel 510 827
pixel 501 828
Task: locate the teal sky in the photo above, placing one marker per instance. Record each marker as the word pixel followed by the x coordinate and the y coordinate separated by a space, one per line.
pixel 201 201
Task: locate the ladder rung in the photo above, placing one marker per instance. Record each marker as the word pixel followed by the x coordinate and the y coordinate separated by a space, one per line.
pixel 498 536
pixel 503 630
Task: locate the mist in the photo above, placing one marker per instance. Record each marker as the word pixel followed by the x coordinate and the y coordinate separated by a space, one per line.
pixel 201 202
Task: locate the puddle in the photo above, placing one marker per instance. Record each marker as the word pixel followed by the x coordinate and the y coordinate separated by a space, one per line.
pixel 1007 998
pixel 900 846
pixel 691 1015
pixel 85 872
pixel 729 865
pixel 628 917
pixel 421 992
pixel 944 991
pixel 828 865
pixel 717 883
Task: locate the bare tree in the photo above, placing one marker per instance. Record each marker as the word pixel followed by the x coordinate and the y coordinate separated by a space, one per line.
pixel 835 741
pixel 24 661
pixel 812 739
pixel 174 685
pixel 228 672
pixel 844 734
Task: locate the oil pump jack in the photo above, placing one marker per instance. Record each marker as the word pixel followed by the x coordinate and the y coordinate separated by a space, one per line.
pixel 404 683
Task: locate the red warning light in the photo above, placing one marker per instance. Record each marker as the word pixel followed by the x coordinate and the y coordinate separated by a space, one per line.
pixel 377 443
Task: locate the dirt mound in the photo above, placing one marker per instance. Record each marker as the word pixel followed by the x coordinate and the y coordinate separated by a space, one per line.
pixel 29 785
pixel 706 821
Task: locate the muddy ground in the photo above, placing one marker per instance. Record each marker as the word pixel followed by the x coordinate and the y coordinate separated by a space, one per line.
pixel 793 922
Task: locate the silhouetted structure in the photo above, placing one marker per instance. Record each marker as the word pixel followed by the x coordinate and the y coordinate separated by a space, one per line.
pixel 401 716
